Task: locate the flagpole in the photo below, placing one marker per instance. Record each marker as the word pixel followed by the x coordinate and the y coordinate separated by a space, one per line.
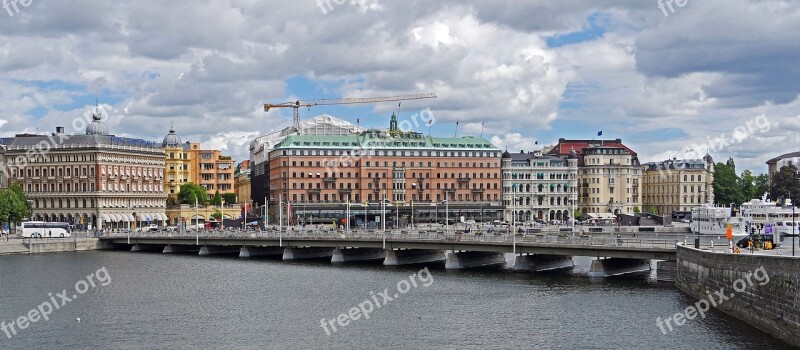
pixel 482 129
pixel 455 133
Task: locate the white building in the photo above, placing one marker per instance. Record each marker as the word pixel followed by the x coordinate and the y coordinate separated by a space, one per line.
pixel 537 186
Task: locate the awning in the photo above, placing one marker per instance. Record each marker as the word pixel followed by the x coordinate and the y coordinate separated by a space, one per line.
pixel 148 217
pixel 114 217
pixel 105 217
pixel 141 217
pixel 163 217
pixel 129 217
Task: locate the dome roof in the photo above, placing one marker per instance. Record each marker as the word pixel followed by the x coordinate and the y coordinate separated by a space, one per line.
pixel 708 158
pixel 506 155
pixel 97 127
pixel 171 140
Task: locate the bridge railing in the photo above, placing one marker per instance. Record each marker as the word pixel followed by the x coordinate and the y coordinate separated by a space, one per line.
pixel 394 235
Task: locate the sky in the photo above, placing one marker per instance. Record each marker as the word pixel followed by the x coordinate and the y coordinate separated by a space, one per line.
pixel 669 80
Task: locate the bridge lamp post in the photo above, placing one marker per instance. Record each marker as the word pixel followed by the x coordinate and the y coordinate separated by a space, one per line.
pixel 447 216
pixel 572 201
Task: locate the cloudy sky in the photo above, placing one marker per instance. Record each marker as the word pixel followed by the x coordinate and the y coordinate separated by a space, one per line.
pixel 670 81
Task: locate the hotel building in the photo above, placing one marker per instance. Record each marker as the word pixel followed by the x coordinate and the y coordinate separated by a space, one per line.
pixel 318 175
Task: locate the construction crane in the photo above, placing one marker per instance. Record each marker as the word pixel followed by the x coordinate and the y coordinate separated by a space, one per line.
pixel 340 101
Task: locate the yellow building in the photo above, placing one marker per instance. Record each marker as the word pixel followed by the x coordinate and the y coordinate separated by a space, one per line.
pixel 676 185
pixel 188 162
pixel 609 175
pixel 177 165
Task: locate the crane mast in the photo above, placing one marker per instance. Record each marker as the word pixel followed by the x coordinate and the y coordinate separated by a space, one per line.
pixel 295 105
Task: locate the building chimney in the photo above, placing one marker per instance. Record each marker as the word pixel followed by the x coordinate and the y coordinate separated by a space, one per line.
pixel 59 130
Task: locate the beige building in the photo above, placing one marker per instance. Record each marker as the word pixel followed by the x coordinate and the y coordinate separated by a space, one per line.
pixel 188 162
pixel 775 164
pixel 242 182
pixel 609 175
pixel 93 180
pixel 677 185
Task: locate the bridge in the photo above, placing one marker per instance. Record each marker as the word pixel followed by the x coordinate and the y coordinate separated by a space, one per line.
pixel 542 252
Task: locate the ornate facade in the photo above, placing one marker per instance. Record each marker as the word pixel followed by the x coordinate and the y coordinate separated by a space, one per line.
pixel 95 180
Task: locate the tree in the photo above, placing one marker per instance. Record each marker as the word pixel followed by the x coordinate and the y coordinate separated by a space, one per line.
pixel 229 197
pixel 747 185
pixel 172 200
pixel 217 200
pixel 217 215
pixel 653 211
pixel 785 183
pixel 14 205
pixel 636 210
pixel 726 185
pixel 761 185
pixel 191 191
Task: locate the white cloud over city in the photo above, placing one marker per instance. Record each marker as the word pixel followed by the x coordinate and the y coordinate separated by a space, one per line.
pixel 534 71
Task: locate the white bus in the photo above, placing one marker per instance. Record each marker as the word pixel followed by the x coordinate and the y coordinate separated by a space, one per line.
pixel 41 229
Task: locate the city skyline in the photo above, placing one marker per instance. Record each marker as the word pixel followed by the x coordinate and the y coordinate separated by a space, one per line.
pixel 543 85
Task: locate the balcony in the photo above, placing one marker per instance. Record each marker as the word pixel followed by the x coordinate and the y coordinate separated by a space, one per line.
pixel 463 180
pixel 329 179
pixel 345 190
pixel 314 191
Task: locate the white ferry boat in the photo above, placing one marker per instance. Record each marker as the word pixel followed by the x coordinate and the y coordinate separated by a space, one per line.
pixel 766 212
pixel 712 220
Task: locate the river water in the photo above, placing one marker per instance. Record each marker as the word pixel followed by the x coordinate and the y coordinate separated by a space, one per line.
pixel 157 301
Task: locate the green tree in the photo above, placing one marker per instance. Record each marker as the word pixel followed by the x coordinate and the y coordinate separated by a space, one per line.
pixel 636 210
pixel 761 185
pixel 217 215
pixel 14 205
pixel 726 185
pixel 747 185
pixel 653 211
pixel 190 191
pixel 217 200
pixel 229 197
pixel 785 183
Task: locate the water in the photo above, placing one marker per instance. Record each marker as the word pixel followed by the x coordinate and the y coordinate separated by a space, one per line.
pixel 157 301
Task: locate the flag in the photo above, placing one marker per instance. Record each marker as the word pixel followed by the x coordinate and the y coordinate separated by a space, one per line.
pixel 456 122
pixel 358 120
pixel 600 133
pixel 430 121
pixel 482 123
pixel 535 142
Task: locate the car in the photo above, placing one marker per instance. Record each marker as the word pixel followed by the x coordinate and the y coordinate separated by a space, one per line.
pixel 686 221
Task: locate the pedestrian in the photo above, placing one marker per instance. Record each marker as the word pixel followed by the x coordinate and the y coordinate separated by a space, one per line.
pixel 49 233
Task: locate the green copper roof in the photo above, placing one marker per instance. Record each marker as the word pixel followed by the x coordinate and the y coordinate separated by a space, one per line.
pixel 380 139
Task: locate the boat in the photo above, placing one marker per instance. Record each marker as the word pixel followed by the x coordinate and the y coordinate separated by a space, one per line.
pixel 714 220
pixel 771 217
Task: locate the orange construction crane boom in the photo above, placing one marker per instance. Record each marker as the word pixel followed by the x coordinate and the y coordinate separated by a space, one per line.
pixel 340 101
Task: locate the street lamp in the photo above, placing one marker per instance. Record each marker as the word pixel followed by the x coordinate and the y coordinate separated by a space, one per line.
pixel 222 217
pixel 572 201
pixel 447 216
